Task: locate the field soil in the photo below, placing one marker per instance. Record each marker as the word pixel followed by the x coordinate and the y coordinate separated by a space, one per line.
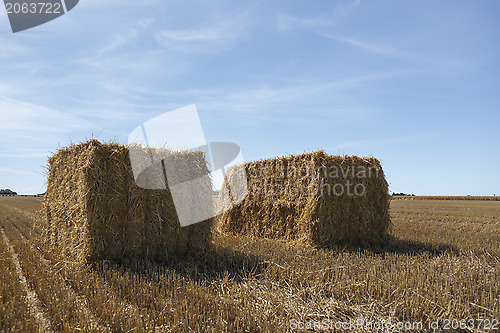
pixel 441 267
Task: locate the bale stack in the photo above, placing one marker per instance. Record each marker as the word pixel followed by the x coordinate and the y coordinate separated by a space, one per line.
pixel 96 211
pixel 313 198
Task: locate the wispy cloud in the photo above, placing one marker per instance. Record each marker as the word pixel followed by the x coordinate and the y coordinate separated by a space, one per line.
pixel 323 24
pixel 335 26
pixel 371 47
pixel 372 143
pixel 286 22
pixel 8 49
pixel 120 40
pixel 211 37
pixel 20 118
pixel 16 171
pixel 116 42
pixel 257 105
pixel 24 153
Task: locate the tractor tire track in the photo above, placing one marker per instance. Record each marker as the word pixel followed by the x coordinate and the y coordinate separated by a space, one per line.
pixel 34 304
pixel 81 300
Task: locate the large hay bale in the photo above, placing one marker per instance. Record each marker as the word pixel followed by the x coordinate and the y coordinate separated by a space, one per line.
pixel 96 211
pixel 313 198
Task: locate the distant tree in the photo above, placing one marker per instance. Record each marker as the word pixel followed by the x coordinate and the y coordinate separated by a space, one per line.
pixel 402 194
pixel 7 191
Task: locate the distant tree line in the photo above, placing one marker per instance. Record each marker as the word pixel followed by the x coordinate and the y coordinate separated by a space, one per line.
pixel 402 194
pixel 7 191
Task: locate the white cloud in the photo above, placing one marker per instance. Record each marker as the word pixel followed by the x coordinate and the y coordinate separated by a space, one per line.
pixel 9 49
pixel 105 57
pixel 286 22
pixel 375 48
pixel 190 35
pixel 409 47
pixel 21 118
pixel 24 153
pixel 120 40
pixel 16 171
pixel 435 63
pixel 210 37
pixel 256 105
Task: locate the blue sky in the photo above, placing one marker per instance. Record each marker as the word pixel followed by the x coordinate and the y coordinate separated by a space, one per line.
pixel 413 83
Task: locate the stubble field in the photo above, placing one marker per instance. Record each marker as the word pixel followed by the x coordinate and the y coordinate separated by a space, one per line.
pixel 442 266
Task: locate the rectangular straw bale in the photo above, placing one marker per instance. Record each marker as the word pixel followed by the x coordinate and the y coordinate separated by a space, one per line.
pixel 305 199
pixel 96 211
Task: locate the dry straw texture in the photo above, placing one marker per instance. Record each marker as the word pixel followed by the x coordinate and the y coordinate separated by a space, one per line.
pixel 306 199
pixel 96 211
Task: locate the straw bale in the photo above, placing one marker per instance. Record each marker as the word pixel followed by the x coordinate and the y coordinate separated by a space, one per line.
pixel 313 198
pixel 95 210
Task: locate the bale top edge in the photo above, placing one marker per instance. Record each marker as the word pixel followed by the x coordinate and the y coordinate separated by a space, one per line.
pixel 94 143
pixel 319 154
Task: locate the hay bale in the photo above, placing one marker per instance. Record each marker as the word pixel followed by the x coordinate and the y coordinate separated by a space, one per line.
pixel 96 211
pixel 313 198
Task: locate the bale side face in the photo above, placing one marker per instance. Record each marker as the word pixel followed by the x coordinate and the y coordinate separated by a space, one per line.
pixel 65 204
pixel 96 211
pixel 305 198
pixel 277 202
pixel 353 205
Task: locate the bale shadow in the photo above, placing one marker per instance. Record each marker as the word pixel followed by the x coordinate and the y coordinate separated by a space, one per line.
pixel 217 264
pixel 211 265
pixel 221 263
pixel 395 245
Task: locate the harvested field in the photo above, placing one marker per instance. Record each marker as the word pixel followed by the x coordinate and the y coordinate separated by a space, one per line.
pixel 442 263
